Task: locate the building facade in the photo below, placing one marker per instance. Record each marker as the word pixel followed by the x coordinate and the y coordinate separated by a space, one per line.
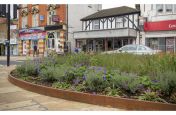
pixel 159 22
pixel 108 29
pixel 3 37
pixel 43 26
pixel 75 13
pixel 13 29
pixel 50 27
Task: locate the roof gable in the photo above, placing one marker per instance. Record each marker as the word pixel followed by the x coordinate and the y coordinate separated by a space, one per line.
pixel 111 12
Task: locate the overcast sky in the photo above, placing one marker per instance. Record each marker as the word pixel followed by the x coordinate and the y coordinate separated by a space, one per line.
pixel 106 6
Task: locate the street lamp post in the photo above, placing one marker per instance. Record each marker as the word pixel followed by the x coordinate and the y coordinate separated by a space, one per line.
pixel 8 34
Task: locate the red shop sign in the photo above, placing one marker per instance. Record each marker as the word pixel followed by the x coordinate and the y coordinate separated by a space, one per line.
pixel 160 25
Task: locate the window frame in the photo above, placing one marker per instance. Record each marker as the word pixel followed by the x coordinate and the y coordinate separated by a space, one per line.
pixel 157 5
pixel 35 20
pixel 24 22
pixel 171 9
pixel 49 19
pixel 119 21
pixel 96 24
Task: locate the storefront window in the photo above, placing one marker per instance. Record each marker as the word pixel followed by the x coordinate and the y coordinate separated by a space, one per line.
pixel 153 43
pixel 35 20
pixel 159 8
pixel 96 24
pixel 119 22
pixel 169 8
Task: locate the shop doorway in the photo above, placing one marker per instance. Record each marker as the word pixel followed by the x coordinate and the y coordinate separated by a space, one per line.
pixel 110 44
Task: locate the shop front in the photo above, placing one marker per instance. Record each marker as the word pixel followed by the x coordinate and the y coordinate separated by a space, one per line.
pixel 104 40
pixel 103 44
pixel 30 38
pixel 161 35
pixel 55 38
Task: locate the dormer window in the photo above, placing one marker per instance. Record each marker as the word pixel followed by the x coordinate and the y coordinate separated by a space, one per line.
pixel 169 8
pixel 159 8
pixel 96 25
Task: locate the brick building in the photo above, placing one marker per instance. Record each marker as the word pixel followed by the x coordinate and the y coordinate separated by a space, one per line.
pixel 43 26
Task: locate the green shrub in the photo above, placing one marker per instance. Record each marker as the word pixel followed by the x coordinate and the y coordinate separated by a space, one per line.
pixel 167 81
pixel 61 85
pixel 145 80
pixel 80 87
pixel 20 69
pixel 129 84
pixel 95 81
pixel 112 92
pixel 80 58
pixel 28 68
pixel 151 96
pixel 49 74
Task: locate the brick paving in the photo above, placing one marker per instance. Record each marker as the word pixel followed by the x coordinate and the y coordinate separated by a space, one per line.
pixel 13 98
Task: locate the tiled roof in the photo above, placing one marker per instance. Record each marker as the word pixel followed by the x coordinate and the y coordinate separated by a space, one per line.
pixel 111 12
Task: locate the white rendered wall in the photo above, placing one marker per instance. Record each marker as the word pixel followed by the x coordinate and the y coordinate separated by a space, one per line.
pixel 75 13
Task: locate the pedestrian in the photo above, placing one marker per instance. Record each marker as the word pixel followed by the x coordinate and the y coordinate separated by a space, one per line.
pixel 35 50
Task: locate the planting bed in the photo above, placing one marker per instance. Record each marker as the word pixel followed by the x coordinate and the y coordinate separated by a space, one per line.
pixel 128 104
pixel 145 81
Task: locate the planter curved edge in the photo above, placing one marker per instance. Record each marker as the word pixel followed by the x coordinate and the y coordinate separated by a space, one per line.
pixel 108 101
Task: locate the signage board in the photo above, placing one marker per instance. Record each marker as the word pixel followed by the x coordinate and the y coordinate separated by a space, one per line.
pixel 33 36
pixel 160 25
pixel 31 30
pixel 55 18
pixel 41 17
pixel 12 27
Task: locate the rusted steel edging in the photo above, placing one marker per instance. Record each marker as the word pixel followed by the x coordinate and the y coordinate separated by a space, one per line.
pixel 116 102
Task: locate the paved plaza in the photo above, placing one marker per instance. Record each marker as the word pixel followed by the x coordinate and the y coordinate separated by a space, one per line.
pixel 13 98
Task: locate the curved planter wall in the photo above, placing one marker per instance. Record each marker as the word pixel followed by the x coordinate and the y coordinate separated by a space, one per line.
pixel 123 103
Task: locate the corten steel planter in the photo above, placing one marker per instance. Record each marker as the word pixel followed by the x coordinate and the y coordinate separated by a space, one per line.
pixel 116 102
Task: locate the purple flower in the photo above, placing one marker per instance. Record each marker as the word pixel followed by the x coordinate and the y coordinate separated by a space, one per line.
pixel 100 68
pixel 76 81
pixel 104 77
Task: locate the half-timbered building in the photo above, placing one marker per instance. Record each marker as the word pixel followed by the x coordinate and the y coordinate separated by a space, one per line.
pixel 108 29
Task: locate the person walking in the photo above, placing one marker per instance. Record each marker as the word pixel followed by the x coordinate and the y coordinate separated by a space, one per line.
pixel 35 50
